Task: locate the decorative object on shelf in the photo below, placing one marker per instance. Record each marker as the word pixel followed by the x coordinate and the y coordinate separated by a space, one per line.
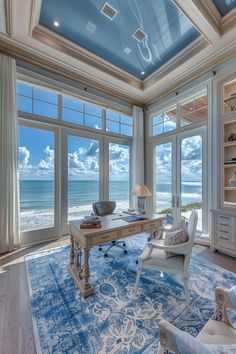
pixel 232 180
pixel 232 137
pixel 141 191
pixel 230 160
pixel 231 101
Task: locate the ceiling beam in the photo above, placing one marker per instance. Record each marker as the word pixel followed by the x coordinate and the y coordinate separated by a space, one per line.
pixel 204 16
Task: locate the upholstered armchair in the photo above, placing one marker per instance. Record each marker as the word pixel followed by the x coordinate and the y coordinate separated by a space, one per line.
pixel 218 336
pixel 154 256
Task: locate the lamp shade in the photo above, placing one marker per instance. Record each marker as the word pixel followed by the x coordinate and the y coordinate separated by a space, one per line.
pixel 140 190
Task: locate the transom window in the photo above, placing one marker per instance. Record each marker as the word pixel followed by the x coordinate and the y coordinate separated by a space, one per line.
pixel 119 123
pixel 37 100
pixel 164 122
pixel 191 111
pixel 47 103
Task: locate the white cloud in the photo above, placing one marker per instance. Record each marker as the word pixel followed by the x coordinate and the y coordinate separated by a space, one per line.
pixel 48 162
pixel 24 155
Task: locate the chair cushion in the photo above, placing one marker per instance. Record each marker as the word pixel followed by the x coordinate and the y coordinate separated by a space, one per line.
pixel 217 332
pixel 158 259
pixel 175 236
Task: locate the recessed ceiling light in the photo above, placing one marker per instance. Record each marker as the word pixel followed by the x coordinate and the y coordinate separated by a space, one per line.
pixel 109 11
pixel 142 72
pixel 139 35
pixel 127 50
pixel 56 23
pixel 91 27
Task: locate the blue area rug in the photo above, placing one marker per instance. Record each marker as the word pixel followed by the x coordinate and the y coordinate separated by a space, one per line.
pixel 113 320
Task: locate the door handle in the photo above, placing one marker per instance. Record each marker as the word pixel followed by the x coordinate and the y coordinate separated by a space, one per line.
pixel 177 202
pixel 173 201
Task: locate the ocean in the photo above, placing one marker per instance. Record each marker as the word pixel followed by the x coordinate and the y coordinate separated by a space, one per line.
pixel 37 199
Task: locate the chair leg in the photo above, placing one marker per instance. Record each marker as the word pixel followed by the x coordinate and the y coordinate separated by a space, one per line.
pixel 160 349
pixel 186 288
pixel 139 270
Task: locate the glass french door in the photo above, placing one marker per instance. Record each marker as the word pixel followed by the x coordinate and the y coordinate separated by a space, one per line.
pixel 119 174
pixel 164 178
pixel 38 186
pixel 180 177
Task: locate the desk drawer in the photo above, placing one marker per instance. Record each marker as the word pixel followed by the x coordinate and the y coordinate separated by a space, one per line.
pixel 152 225
pixel 106 237
pixel 131 231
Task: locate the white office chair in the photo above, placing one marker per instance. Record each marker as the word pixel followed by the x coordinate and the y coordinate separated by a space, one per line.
pixel 217 336
pixel 154 256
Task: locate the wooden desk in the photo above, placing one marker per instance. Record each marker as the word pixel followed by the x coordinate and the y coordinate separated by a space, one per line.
pixel 113 228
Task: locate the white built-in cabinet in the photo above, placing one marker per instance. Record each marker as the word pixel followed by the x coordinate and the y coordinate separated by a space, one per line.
pixel 224 217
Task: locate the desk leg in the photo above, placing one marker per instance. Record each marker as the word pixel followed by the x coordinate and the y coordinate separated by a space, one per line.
pixel 72 250
pixel 80 272
pixel 86 272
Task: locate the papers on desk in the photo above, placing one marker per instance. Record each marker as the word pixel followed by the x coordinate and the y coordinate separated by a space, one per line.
pixel 134 218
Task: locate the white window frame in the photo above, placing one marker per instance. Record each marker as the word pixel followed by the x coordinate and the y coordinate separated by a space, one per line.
pixel 151 141
pixel 62 129
pixel 45 234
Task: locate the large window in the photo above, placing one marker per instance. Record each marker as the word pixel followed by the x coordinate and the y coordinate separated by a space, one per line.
pixel 63 141
pixel 179 140
pixel 36 178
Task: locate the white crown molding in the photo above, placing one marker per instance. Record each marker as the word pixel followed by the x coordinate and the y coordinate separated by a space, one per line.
pixel 204 66
pixel 25 53
pixel 67 47
pixel 8 10
pixel 185 54
pixel 204 16
pixel 228 21
pixel 35 15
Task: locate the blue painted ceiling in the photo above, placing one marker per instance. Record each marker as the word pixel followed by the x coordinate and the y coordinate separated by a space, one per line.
pixel 168 30
pixel 224 6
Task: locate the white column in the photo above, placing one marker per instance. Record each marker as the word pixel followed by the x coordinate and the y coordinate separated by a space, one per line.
pixel 2 16
pixel 9 212
pixel 138 150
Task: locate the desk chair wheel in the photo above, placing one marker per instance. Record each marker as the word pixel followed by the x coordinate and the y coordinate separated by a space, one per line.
pixel 125 251
pixel 124 244
pixel 105 255
pixel 100 248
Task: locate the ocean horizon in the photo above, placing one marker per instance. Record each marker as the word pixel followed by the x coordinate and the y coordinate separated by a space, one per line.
pixel 37 199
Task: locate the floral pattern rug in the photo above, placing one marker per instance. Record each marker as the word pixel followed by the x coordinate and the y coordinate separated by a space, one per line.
pixel 113 320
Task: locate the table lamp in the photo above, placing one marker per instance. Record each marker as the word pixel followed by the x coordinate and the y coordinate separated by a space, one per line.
pixel 141 191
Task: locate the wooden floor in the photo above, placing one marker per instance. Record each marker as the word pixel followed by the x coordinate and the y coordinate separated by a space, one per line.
pixel 16 330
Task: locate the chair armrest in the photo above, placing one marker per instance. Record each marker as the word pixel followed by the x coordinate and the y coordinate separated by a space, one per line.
pixel 182 248
pixel 224 298
pixel 167 336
